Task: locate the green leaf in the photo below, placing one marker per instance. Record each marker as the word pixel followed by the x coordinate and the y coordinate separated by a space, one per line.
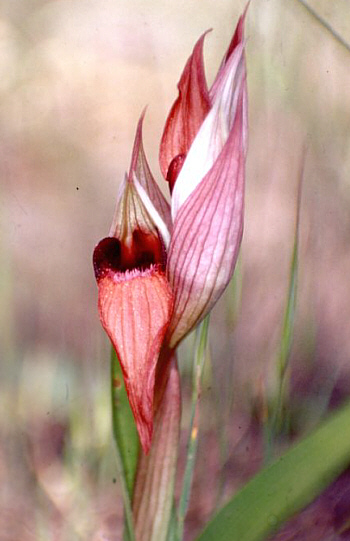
pixel 126 440
pixel 285 487
pixel 124 428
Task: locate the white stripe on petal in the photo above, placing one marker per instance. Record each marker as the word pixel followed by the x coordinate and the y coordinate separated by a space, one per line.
pixel 152 211
pixel 214 131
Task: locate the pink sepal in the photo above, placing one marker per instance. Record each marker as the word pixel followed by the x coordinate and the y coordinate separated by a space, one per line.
pixel 206 236
pixel 135 308
pixel 187 112
pixel 140 169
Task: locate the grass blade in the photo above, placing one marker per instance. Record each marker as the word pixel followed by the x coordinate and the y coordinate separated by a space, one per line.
pixel 325 24
pixel 172 532
pixel 285 487
pixel 275 418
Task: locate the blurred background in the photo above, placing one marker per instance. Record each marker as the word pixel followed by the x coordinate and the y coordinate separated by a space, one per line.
pixel 74 78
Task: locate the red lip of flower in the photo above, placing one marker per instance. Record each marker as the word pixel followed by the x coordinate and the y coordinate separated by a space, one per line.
pixel 162 269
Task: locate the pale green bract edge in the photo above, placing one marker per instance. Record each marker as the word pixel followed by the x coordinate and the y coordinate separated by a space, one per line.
pixel 126 441
pixel 285 487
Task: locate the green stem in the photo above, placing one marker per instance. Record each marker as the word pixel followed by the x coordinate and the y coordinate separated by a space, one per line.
pixel 198 364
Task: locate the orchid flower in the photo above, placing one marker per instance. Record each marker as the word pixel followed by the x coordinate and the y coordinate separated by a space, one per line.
pixel 163 267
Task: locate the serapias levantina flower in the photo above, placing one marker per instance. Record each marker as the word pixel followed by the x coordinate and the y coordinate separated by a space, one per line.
pixel 135 298
pixel 162 268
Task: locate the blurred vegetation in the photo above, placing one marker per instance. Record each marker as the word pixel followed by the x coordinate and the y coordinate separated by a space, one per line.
pixel 74 77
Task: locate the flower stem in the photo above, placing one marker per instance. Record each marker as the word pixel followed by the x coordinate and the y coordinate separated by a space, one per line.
pixel 198 365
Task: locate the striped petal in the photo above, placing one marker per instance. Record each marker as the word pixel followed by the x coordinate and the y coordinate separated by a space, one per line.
pixel 237 39
pixel 215 129
pixel 186 114
pixel 206 236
